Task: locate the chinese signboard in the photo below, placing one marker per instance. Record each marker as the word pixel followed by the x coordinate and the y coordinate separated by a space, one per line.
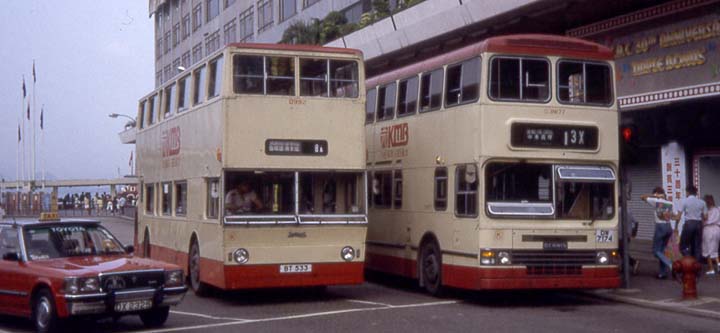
pixel 673 171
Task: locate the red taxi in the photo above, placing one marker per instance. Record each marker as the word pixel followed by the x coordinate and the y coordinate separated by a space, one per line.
pixel 54 270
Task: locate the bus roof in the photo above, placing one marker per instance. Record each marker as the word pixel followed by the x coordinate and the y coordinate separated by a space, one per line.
pixel 297 48
pixel 523 44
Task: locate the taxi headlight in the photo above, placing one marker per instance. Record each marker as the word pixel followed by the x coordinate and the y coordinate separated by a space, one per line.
pixel 504 258
pixel 75 285
pixel 241 256
pixel 174 278
pixel 602 258
pixel 347 253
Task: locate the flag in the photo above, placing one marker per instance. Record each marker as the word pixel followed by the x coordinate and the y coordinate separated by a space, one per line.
pixel 28 111
pixel 34 79
pixel 24 91
pixel 131 158
pixel 42 110
pixel 19 137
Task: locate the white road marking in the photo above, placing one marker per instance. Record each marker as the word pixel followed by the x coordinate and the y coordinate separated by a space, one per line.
pixel 204 316
pixel 300 316
pixel 368 302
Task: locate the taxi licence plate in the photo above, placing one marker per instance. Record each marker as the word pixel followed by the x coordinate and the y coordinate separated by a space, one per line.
pixel 296 268
pixel 128 306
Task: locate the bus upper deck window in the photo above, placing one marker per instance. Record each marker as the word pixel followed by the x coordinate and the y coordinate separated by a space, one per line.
pixel 199 85
pixel 215 80
pixel 152 106
pixel 431 90
pixel 169 100
pixel 463 82
pixel 313 77
pixel 573 88
pixel 280 76
pixel 248 74
pixel 519 79
pixel 344 78
pixel 370 106
pixel 407 96
pixel 183 93
pixel 386 102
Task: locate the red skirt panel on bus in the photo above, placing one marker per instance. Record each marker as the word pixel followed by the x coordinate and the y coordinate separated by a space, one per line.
pixel 502 278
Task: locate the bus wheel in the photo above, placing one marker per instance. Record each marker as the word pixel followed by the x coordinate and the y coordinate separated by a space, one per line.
pixel 431 268
pixel 146 244
pixel 200 288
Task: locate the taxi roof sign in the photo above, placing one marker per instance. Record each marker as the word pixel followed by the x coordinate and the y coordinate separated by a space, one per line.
pixel 49 217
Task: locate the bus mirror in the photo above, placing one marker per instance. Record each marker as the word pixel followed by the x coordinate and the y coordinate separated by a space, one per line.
pixel 470 174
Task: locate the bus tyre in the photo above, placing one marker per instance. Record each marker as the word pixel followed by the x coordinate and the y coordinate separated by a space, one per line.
pixel 431 268
pixel 200 288
pixel 155 317
pixel 43 312
pixel 146 244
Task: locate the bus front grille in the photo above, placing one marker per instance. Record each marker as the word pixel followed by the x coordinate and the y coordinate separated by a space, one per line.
pixel 553 262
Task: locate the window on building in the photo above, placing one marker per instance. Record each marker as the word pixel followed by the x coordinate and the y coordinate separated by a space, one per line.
pixel 440 194
pixel 397 189
pixel 308 3
pixel 149 199
pixel 370 102
pixel 265 14
pixel 215 79
pixel 212 42
pixel 176 34
pixel 176 64
pixel 152 107
pixel 186 27
pixel 159 47
pixel 343 78
pixel 354 12
pixel 181 198
pixel 573 89
pixel 407 96
pixel 186 60
pixel 288 9
pixel 213 9
pixel 197 17
pixel 246 23
pixel 518 79
pixel 466 189
pixel 229 3
pixel 141 115
pixel 169 100
pixel 167 73
pixel 166 42
pixel 166 198
pixel 158 77
pixel 197 53
pixel 183 93
pixel 230 32
pixel 382 189
pixel 431 90
pixel 199 85
pixel 386 102
pixel 212 200
pixel 462 82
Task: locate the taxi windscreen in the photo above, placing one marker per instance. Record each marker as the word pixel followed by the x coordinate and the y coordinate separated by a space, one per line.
pixel 69 241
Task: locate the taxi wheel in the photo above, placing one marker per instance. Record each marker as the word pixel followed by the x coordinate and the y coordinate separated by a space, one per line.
pixel 200 288
pixel 43 312
pixel 155 317
pixel 431 268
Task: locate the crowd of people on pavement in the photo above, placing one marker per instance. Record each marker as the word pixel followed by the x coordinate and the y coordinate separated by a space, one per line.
pixel 98 203
pixel 700 232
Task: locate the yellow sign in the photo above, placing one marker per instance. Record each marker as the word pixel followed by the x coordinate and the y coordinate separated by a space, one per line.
pixel 49 217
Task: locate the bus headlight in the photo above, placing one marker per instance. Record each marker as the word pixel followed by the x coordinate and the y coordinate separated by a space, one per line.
pixel 487 257
pixel 241 256
pixel 504 258
pixel 603 258
pixel 347 253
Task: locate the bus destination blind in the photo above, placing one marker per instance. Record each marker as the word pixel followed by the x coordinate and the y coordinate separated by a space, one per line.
pixel 296 147
pixel 554 136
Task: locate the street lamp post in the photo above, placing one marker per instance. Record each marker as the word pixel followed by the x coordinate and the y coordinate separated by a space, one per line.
pixel 130 123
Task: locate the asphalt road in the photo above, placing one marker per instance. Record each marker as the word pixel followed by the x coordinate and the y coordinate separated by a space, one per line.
pixel 391 305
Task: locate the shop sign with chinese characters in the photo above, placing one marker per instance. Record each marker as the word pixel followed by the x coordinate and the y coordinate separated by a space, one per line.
pixel 674 171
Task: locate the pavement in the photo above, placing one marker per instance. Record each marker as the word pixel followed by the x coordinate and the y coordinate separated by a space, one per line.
pixel 647 291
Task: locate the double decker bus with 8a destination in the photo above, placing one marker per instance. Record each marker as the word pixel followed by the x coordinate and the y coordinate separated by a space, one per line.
pixel 252 168
pixel 494 167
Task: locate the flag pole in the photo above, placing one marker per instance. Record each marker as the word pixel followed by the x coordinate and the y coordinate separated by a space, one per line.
pixel 32 125
pixel 42 141
pixel 22 116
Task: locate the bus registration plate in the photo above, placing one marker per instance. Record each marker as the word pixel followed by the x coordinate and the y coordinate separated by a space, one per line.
pixel 604 236
pixel 133 305
pixel 296 268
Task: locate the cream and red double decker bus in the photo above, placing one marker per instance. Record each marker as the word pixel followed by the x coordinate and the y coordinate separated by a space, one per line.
pixel 252 165
pixel 494 167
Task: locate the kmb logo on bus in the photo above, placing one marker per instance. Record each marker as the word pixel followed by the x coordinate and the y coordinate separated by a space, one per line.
pixel 394 136
pixel 171 142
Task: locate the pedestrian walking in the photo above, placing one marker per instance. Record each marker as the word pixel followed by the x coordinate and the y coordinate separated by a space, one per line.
pixel 663 228
pixel 711 235
pixel 695 211
pixel 121 203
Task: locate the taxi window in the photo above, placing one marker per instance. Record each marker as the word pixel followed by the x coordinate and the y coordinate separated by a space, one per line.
pixel 69 241
pixel 8 241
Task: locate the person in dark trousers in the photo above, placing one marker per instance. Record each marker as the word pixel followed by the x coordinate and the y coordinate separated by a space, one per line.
pixel 663 228
pixel 695 211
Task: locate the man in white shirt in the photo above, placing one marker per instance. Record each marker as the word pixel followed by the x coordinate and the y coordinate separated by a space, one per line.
pixel 242 199
pixel 663 228
pixel 695 211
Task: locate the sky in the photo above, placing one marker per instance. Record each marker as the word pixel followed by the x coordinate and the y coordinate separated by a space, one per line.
pixel 92 58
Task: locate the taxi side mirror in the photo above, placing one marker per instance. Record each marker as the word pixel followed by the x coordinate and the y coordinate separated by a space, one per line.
pixel 129 249
pixel 11 256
